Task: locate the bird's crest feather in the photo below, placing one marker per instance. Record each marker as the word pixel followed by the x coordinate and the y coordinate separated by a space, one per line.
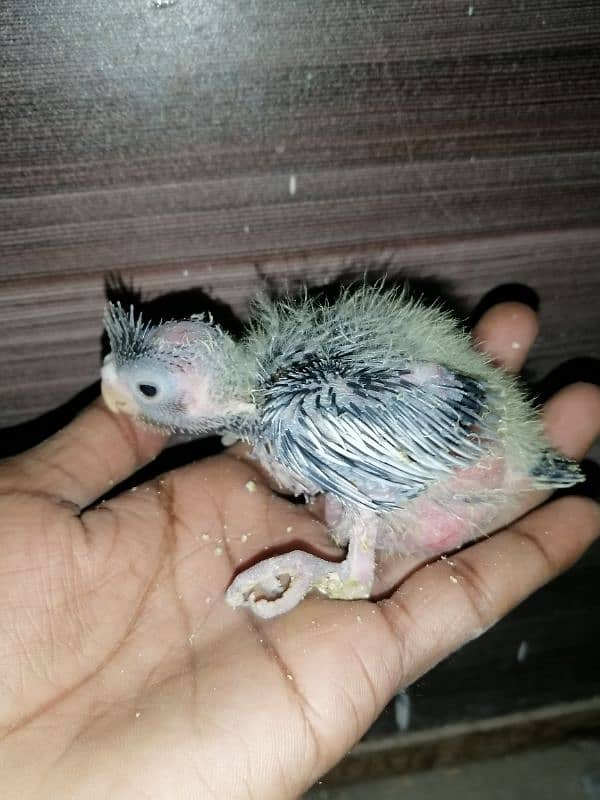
pixel 127 333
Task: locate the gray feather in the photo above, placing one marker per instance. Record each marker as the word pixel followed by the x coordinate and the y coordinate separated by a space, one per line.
pixel 128 335
pixel 371 436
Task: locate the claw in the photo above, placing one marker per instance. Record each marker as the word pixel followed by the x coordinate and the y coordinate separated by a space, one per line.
pixel 276 585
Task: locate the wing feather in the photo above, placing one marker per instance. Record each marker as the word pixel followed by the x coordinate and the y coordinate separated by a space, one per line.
pixel 374 437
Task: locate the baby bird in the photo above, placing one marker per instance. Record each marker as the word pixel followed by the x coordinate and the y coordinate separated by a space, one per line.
pixel 378 402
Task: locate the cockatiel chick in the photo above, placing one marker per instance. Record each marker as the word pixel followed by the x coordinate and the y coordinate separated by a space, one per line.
pixel 418 443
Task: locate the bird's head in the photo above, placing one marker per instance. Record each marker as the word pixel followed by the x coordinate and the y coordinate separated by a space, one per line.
pixel 176 375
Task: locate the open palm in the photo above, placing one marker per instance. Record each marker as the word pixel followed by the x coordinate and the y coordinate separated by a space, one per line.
pixel 125 675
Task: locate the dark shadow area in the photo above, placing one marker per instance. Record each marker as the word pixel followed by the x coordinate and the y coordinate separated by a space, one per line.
pixel 506 293
pixel 289 546
pixel 576 369
pixel 432 291
pixel 25 435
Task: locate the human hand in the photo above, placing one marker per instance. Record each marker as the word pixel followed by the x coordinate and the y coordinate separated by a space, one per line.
pixel 125 674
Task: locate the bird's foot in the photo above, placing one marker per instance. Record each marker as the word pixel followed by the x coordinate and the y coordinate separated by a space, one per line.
pixel 278 584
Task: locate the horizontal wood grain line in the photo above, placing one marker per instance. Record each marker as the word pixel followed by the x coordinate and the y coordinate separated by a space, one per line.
pixel 357 183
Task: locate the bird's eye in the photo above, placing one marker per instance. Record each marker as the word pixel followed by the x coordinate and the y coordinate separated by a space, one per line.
pixel 148 389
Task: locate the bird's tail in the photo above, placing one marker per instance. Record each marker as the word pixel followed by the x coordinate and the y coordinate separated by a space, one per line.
pixel 556 471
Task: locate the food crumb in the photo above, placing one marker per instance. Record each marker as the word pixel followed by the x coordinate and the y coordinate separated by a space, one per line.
pixel 516 345
pixel 289 529
pixel 453 579
pixel 218 551
pixel 138 714
pixel 250 486
pixel 290 677
pixel 205 537
pixel 244 537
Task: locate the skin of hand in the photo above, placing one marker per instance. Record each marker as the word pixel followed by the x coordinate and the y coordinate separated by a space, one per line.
pixel 125 674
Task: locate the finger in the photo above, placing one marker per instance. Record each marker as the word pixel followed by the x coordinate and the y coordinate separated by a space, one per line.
pixel 506 332
pixel 572 419
pixel 84 460
pixel 446 604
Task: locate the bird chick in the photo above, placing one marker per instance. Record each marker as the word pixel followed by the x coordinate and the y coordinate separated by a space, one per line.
pixel 378 402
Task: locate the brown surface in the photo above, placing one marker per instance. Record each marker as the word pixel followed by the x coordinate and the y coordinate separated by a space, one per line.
pixel 159 142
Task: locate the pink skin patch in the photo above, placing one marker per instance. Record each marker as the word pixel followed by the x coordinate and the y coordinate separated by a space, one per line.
pixel 201 404
pixel 458 509
pixel 198 401
pixel 440 530
pixel 182 333
pixel 453 512
pixel 425 374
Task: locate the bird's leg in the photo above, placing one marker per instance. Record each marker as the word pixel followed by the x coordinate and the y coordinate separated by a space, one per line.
pixel 352 578
pixel 276 585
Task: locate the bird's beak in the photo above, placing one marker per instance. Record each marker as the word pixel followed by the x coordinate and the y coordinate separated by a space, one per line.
pixel 115 397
